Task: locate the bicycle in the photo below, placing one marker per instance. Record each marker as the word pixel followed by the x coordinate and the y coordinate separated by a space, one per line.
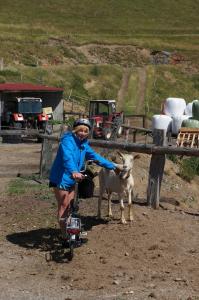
pixel 73 226
pixel 75 235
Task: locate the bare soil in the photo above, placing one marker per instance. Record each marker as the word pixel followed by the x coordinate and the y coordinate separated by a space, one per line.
pixel 155 257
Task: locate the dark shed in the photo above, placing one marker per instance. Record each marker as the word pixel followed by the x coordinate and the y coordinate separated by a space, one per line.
pixel 51 96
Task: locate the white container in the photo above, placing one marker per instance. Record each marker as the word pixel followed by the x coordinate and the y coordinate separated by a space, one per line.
pixel 174 107
pixel 177 122
pixel 161 122
pixel 188 109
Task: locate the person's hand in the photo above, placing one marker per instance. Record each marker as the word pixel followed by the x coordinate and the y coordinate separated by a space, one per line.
pixel 119 167
pixel 77 176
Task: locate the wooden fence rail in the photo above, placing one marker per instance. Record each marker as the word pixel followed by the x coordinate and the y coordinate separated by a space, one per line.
pixel 157 150
pixel 133 147
pixel 12 132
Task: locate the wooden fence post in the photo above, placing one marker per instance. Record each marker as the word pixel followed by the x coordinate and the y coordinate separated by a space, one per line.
pixel 144 121
pixel 46 157
pixel 127 132
pixel 156 170
pixel 134 135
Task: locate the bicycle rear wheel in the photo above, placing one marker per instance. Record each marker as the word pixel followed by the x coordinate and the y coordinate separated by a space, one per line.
pixel 71 252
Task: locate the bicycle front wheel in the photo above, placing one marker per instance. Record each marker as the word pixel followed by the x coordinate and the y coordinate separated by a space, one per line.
pixel 71 252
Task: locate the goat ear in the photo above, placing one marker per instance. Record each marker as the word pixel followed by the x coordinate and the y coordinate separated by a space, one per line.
pixel 120 154
pixel 136 156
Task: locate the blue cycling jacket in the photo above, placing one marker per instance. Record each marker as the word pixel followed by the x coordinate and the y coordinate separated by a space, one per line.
pixel 70 158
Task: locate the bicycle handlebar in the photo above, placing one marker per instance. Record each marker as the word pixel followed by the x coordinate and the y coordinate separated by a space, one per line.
pixel 88 163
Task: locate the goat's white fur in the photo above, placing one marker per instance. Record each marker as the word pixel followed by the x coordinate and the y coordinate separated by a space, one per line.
pixel 110 182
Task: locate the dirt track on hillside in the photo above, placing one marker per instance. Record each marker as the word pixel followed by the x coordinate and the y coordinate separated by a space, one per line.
pixel 155 257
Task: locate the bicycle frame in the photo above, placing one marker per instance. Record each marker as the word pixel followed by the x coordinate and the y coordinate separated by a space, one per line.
pixel 74 234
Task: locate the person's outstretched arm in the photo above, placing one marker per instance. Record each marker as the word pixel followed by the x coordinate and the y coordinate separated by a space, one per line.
pixel 100 160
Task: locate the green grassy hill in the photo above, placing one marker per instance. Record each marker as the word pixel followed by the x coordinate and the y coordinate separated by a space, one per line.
pixel 85 45
pixel 117 20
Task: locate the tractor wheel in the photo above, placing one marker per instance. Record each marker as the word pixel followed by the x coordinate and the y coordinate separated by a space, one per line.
pixel 107 133
pixel 43 126
pixel 15 125
pixel 14 139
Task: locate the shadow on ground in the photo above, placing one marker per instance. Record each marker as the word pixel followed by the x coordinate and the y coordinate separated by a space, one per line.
pixel 42 238
pixel 48 239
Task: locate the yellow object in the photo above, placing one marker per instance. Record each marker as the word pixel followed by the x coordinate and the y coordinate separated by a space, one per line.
pixel 47 110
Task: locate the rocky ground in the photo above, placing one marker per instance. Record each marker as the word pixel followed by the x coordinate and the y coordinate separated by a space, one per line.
pixel 155 257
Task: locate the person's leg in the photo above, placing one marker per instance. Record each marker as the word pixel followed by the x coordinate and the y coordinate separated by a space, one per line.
pixel 63 200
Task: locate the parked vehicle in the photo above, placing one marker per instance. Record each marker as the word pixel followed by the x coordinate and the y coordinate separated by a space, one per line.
pixel 106 121
pixel 25 112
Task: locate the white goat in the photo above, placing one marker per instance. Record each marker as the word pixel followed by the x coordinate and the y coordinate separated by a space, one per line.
pixel 121 183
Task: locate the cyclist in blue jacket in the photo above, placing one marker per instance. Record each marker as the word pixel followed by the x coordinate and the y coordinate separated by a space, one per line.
pixel 73 150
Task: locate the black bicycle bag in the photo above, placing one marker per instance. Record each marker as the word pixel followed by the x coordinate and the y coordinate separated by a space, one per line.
pixel 86 186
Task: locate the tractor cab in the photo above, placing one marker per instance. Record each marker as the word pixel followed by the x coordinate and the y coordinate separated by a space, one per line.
pixel 104 118
pixel 103 108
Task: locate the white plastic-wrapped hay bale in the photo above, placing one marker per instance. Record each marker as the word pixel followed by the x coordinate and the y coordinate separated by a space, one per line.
pixel 174 107
pixel 177 123
pixel 188 109
pixel 161 122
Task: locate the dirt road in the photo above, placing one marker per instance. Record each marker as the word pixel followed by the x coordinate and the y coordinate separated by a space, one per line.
pixel 155 257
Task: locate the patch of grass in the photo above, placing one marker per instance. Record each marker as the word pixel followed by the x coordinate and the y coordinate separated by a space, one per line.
pixel 131 98
pixel 30 60
pixel 107 79
pixel 168 81
pixel 173 158
pixel 17 187
pixel 99 17
pixel 23 186
pixel 47 28
pixel 95 71
pixel 10 74
pixel 189 168
pixel 196 81
pixel 78 85
pixel 2 79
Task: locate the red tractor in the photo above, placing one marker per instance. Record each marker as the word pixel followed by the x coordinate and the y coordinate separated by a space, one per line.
pixel 26 113
pixel 106 122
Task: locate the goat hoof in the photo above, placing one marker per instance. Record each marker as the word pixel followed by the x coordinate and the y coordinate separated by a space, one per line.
pixel 123 222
